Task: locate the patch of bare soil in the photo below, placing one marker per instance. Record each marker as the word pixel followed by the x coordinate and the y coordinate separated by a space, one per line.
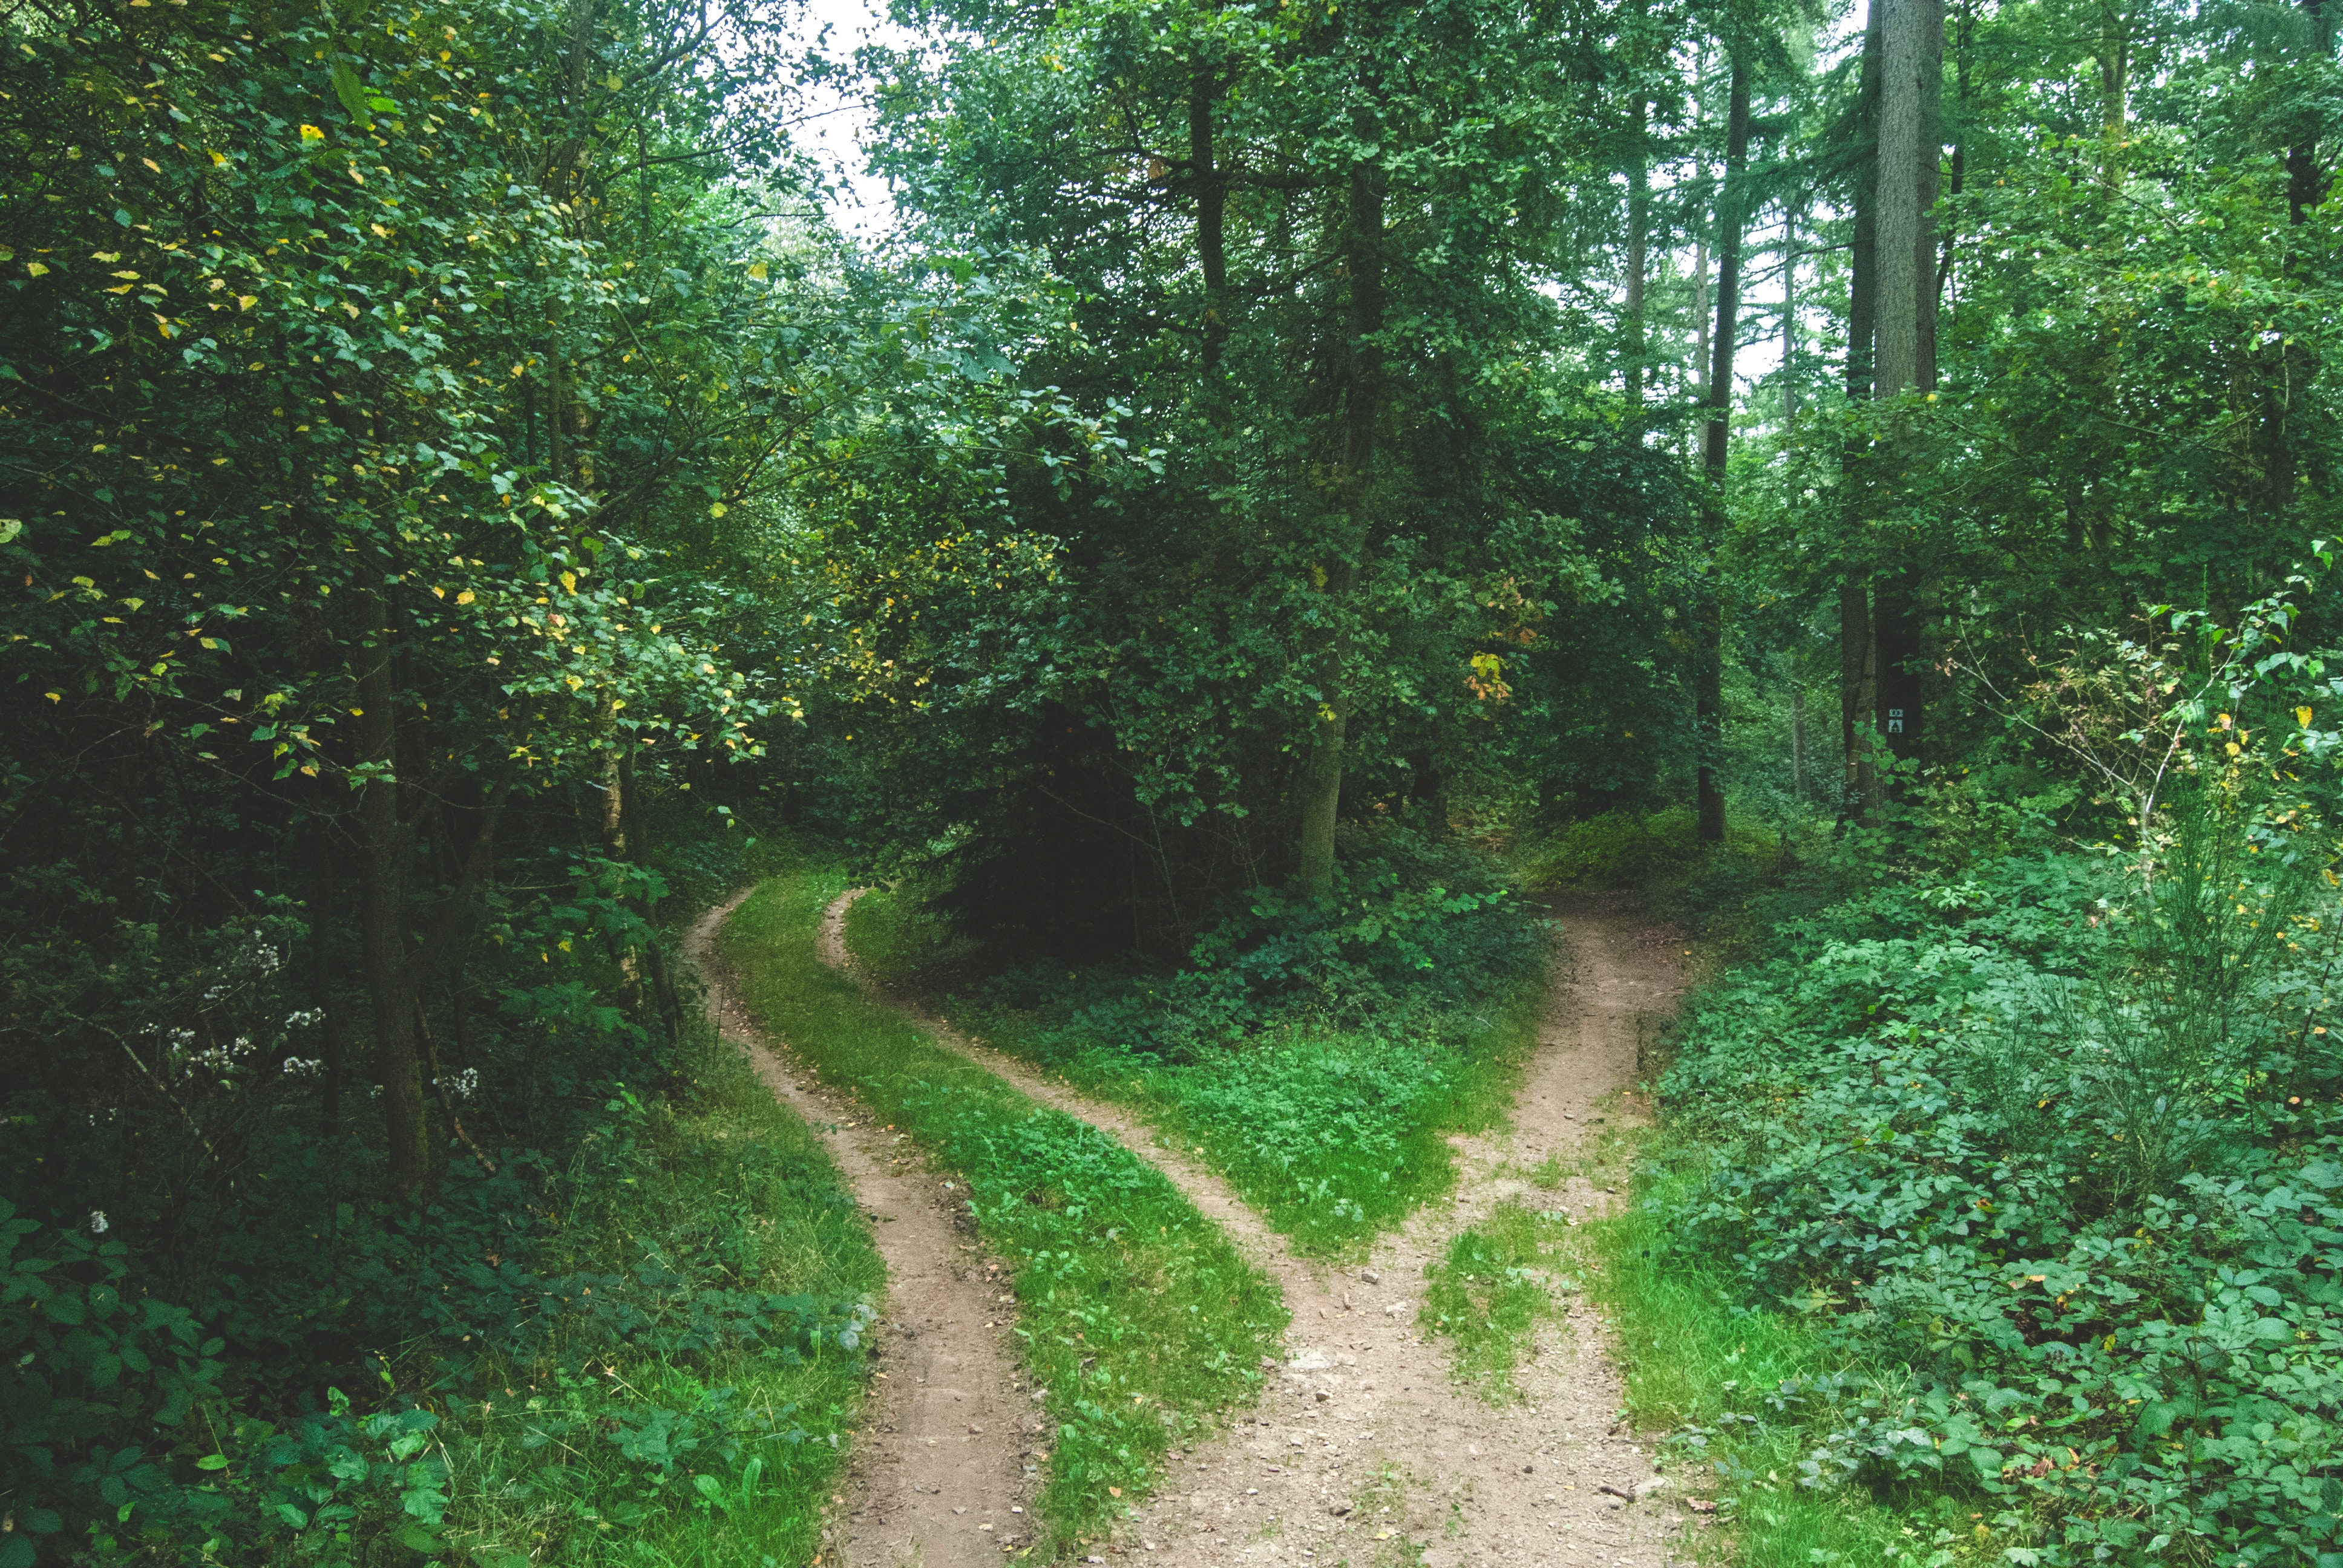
pixel 1364 1450
pixel 941 1474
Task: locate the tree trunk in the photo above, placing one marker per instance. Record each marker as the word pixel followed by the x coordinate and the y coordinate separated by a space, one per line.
pixel 2305 180
pixel 1639 225
pixel 382 902
pixel 663 992
pixel 1709 693
pixel 2115 93
pixel 1862 320
pixel 1904 123
pixel 1789 314
pixel 1212 206
pixel 1798 740
pixel 1321 772
pixel 1909 147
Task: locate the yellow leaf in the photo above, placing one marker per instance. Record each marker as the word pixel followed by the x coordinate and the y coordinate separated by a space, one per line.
pixel 36 270
pixel 569 582
pixel 132 276
pixel 757 270
pixel 109 256
pixel 151 164
pixel 312 134
pixel 2302 717
pixel 464 597
pixel 380 230
pixel 439 593
pixel 246 301
pixel 218 158
pixel 351 309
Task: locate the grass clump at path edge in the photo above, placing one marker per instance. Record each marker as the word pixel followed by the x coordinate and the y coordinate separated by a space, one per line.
pixel 693 1421
pixel 1135 1313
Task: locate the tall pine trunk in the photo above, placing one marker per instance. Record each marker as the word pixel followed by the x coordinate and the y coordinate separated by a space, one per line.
pixel 1856 684
pixel 1709 691
pixel 1910 144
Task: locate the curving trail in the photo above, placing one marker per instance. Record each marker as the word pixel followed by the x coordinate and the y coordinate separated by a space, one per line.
pixel 938 1466
pixel 1363 1448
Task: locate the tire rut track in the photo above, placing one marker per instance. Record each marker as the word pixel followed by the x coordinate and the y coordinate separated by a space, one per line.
pixel 937 1463
pixel 1363 1407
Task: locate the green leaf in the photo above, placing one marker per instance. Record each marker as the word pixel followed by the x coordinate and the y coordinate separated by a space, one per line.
pixel 212 1461
pixel 352 93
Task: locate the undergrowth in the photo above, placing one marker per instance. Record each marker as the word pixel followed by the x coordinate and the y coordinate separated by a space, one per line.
pixel 1317 1057
pixel 1996 1213
pixel 1135 1314
pixel 638 1340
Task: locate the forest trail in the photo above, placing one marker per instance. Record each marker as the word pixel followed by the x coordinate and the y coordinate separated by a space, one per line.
pixel 936 1467
pixel 1364 1447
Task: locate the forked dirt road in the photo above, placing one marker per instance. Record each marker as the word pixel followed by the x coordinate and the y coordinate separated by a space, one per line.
pixel 1364 1450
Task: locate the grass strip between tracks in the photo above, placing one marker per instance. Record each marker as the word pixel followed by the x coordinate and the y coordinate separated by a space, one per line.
pixel 1334 1136
pixel 1135 1312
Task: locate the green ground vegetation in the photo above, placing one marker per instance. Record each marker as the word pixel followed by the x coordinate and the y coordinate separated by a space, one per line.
pixel 1502 1280
pixel 1135 1312
pixel 637 1340
pixel 1318 1059
pixel 1993 1211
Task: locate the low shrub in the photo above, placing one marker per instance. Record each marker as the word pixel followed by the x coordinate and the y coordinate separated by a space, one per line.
pixel 2062 1152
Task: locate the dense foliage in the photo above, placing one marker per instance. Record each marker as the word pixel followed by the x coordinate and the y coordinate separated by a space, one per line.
pixel 1287 471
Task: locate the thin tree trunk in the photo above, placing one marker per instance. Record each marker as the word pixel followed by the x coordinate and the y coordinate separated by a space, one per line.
pixel 382 902
pixel 1709 693
pixel 1798 740
pixel 2115 93
pixel 1855 695
pixel 2305 179
pixel 1700 348
pixel 1211 205
pixel 1639 223
pixel 1321 772
pixel 1789 314
pixel 639 846
pixel 333 1032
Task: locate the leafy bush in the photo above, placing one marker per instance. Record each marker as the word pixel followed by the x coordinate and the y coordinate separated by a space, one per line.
pixel 1612 849
pixel 2065 1145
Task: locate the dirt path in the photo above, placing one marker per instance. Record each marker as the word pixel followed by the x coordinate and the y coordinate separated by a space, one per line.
pixel 1365 1449
pixel 939 1475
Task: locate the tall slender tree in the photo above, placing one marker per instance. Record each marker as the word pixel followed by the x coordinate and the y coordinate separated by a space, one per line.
pixel 1731 221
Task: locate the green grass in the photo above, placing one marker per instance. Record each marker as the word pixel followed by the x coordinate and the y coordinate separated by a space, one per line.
pixel 1334 1136
pixel 718 1181
pixel 1501 1280
pixel 1699 1369
pixel 1135 1312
